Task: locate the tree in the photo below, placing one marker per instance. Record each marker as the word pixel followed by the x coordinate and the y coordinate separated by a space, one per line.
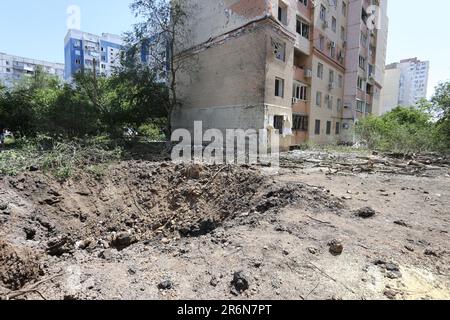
pixel 441 106
pixel 163 32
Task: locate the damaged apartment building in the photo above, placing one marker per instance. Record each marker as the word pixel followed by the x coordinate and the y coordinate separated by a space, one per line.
pixel 306 69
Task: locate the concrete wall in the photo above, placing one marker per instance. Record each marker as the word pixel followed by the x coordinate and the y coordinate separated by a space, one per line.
pixel 225 85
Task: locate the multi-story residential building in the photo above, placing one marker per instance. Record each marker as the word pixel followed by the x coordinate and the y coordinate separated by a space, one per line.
pixel 300 67
pixel 14 68
pixel 406 83
pixel 83 51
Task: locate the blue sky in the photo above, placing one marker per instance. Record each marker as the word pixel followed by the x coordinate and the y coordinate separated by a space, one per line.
pixel 36 29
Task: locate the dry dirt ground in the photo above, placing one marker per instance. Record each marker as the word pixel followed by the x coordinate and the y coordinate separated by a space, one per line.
pixel 146 230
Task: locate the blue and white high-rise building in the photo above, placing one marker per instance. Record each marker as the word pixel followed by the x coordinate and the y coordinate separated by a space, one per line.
pixel 82 50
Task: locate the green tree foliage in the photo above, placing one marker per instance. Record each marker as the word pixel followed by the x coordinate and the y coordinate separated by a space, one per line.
pixel 441 106
pixel 404 129
pixel 92 105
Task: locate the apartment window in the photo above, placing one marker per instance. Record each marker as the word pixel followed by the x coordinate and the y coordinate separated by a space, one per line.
pixel 331 76
pixel 279 49
pixel 342 33
pixel 328 128
pixel 368 108
pixel 77 61
pixel 333 24
pixel 282 13
pixel 8 70
pixel 279 87
pixel 78 52
pixel 318 98
pixel 278 123
pixel 317 128
pixel 103 66
pixel 364 40
pixel 339 104
pixel 302 28
pixel 323 13
pixel 77 44
pixel 329 101
pixel 360 83
pixel 360 106
pixel 362 62
pixel 304 2
pixel 321 43
pixel 300 91
pixel 7 63
pixel 344 9
pixel 300 123
pixel 340 81
pixel 338 128
pixel 320 70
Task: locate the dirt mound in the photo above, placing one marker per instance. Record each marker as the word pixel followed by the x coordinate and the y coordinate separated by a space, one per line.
pixel 17 266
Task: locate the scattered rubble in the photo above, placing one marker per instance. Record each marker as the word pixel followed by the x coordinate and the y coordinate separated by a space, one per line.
pixel 240 282
pixel 366 212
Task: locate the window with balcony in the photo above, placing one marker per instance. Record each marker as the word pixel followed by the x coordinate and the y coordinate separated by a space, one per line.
pixel 300 92
pixel 302 28
pixel 300 123
pixel 362 62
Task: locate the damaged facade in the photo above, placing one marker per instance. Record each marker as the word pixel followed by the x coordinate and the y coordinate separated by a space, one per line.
pixel 298 67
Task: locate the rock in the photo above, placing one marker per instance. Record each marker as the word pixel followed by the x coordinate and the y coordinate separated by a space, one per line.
pixel 313 250
pixel 336 247
pixel 165 285
pixel 123 240
pixel 59 246
pixel 394 275
pixel 240 282
pixel 214 282
pixel 390 294
pixel 401 223
pixel 432 253
pixel 106 254
pixel 3 206
pixel 286 253
pixel 409 248
pixel 165 241
pixel 84 244
pixel 365 213
pixel 33 168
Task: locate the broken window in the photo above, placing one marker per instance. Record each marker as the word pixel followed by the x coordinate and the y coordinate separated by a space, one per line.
pixel 300 123
pixel 278 123
pixel 279 49
pixel 279 87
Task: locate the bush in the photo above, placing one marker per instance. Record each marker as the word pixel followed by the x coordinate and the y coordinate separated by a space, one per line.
pixel 403 130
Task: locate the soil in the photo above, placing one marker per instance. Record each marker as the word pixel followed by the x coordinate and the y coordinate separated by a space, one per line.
pixel 323 226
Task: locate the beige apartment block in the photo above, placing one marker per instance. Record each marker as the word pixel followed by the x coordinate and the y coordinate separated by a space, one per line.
pixel 275 65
